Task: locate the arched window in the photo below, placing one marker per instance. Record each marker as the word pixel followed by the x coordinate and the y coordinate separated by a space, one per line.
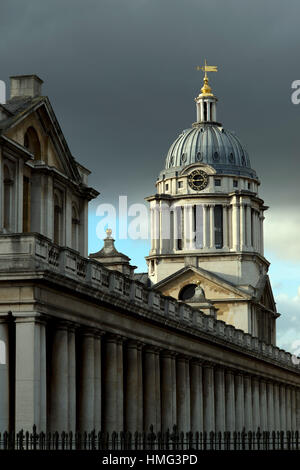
pixel 187 292
pixel 75 228
pixel 2 352
pixel 58 209
pixel 218 210
pixel 26 204
pixel 32 142
pixel 8 195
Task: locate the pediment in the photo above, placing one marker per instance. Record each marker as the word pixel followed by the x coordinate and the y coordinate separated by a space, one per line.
pixel 264 294
pixel 54 151
pixel 214 286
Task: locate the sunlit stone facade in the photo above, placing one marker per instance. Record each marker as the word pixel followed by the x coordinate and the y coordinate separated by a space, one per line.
pixel 85 345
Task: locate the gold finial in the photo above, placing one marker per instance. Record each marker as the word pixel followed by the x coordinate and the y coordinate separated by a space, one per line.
pixel 108 232
pixel 206 89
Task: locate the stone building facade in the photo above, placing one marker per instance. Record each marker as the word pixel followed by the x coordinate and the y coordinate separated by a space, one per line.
pixel 84 343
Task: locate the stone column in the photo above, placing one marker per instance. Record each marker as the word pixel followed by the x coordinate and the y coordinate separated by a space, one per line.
pixel 225 226
pixel 59 383
pixel 152 389
pixel 242 227
pixel 255 404
pixel 294 409
pixel 4 376
pixel 248 219
pixel 183 394
pixel 263 405
pixel 205 227
pixel 97 378
pixel 271 407
pixel 248 403
pixel 236 224
pixel 282 398
pixel 72 379
pixel 288 409
pixel 276 407
pixel 110 408
pixel 156 227
pixel 298 408
pixel 220 399
pixel 261 233
pixel 120 386
pixel 87 382
pixel 212 226
pixel 140 398
pixel 239 402
pixel 131 390
pixel 30 374
pixel 168 392
pixel 208 398
pixel 196 397
pixel 230 401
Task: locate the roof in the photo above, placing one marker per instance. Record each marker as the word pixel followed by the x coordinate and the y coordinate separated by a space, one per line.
pixel 209 143
pixel 141 277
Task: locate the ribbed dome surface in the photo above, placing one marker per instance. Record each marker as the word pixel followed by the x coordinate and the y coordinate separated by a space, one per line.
pixel 213 145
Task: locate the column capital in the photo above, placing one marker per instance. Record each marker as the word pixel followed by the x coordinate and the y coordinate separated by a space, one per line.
pixel 134 343
pixel 183 357
pixel 111 338
pixel 87 331
pixel 167 353
pixel 40 319
pixel 208 364
pixel 149 348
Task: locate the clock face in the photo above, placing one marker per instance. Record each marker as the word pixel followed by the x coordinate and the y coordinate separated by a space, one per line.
pixel 198 180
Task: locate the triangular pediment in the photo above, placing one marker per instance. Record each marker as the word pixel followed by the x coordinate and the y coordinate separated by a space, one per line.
pixel 264 294
pixel 215 287
pixel 38 114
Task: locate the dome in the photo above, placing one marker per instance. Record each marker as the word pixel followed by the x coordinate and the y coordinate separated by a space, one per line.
pixel 209 144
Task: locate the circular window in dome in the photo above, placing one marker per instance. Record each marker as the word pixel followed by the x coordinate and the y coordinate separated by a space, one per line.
pixel 243 160
pixel 199 156
pixel 216 156
pixel 187 292
pixel 183 157
pixel 231 158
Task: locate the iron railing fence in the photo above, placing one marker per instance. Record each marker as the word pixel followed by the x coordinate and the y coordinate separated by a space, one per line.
pixel 168 441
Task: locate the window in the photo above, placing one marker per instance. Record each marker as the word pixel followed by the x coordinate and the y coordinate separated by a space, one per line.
pixel 235 183
pixel 7 203
pixel 167 187
pixel 58 209
pixel 249 185
pixel 152 267
pixel 217 182
pixel 205 111
pixel 187 292
pixel 180 184
pixel 32 143
pixel 218 213
pixel 179 233
pixel 26 204
pixel 75 228
pixel 2 352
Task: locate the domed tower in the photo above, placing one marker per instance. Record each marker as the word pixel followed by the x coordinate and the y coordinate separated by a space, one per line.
pixel 207 224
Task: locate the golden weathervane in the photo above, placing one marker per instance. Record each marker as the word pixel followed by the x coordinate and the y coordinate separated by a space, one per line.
pixel 206 90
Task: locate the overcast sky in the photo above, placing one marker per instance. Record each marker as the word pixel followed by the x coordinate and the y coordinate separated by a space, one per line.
pixel 121 77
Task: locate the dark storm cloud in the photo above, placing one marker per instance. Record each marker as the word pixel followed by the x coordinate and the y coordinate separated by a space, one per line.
pixel 121 77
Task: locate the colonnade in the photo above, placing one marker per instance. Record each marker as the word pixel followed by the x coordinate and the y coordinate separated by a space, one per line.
pixel 241 227
pixel 86 379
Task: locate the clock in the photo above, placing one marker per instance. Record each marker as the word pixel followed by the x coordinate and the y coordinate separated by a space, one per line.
pixel 198 180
